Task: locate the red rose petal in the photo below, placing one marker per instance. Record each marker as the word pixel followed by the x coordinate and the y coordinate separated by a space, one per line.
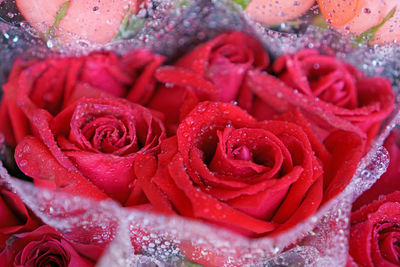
pixel 183 77
pixel 144 85
pixel 265 86
pixel 360 242
pixel 165 182
pixel 209 208
pixel 389 180
pixel 347 150
pixel 295 116
pixel 261 201
pixel 251 189
pixel 307 208
pixel 35 160
pixel 48 90
pixel 362 214
pixel 387 246
pixel 10 222
pixel 5 123
pixel 294 138
pixel 111 173
pixel 145 168
pixel 202 170
pixel 15 97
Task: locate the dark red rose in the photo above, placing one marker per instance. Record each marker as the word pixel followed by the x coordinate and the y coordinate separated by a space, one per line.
pixel 214 71
pixel 15 217
pixel 46 247
pixel 375 232
pixel 338 88
pixel 390 180
pixel 257 177
pixel 90 147
pixel 54 83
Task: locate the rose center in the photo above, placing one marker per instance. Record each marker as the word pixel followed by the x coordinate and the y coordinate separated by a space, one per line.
pixel 47 253
pixel 107 134
pixel 233 53
pixel 242 153
pixel 388 241
pixel 332 85
pixel 248 153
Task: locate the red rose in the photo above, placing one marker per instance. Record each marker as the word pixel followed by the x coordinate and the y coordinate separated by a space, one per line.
pixel 214 70
pixel 375 232
pixel 14 216
pixel 389 181
pixel 90 147
pixel 46 247
pixel 338 88
pixel 258 177
pixel 54 83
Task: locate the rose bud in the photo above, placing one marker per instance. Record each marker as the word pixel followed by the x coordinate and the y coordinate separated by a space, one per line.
pixel 54 83
pixel 364 18
pixel 15 217
pixel 375 232
pixel 272 12
pixel 90 147
pixel 256 177
pixel 338 88
pixel 46 247
pixel 214 70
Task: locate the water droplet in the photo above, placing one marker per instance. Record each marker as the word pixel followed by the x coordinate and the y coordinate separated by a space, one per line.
pixel 366 10
pixel 49 44
pixel 23 163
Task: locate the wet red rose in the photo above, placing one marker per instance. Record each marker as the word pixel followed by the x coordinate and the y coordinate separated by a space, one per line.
pixel 338 88
pixel 215 71
pixel 257 177
pixel 90 147
pixel 54 83
pixel 15 217
pixel 375 232
pixel 46 247
pixel 390 180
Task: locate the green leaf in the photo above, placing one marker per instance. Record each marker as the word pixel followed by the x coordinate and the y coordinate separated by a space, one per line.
pixel 183 3
pixel 129 26
pixel 59 16
pixel 366 36
pixel 242 3
pixel 124 24
pixel 319 21
pixel 187 263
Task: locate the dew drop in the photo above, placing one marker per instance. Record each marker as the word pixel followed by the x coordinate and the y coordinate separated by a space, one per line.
pixel 366 10
pixel 23 163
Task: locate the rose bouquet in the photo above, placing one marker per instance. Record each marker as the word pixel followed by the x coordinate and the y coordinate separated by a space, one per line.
pixel 198 141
